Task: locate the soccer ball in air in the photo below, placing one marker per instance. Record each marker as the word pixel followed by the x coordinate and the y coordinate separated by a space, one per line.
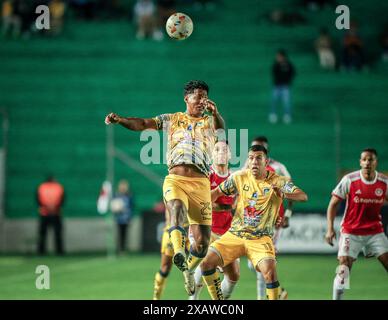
pixel 179 26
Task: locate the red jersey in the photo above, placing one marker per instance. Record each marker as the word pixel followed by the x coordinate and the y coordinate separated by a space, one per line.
pixel 364 200
pixel 221 220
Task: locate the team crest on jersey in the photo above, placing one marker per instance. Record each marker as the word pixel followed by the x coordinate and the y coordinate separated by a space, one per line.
pixel 265 191
pixel 378 192
pixel 358 191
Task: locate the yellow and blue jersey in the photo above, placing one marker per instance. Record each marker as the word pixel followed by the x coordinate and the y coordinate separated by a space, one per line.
pixel 258 204
pixel 190 140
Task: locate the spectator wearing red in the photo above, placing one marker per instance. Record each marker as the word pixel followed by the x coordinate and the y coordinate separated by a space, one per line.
pixel 50 197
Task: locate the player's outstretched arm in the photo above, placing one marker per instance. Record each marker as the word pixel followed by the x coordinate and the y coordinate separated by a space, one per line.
pixel 135 124
pixel 331 213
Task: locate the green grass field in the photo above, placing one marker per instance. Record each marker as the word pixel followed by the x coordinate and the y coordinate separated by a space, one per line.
pixel 131 277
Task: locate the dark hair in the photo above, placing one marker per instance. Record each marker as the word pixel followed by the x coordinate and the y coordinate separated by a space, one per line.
pixel 258 147
pixel 195 84
pixel 371 150
pixel 261 139
pixel 282 52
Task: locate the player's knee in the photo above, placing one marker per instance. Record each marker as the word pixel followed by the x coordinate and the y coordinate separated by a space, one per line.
pixel 208 264
pixel 233 276
pixel 346 261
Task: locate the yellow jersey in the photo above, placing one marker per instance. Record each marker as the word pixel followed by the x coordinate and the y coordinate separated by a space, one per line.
pixel 258 204
pixel 190 140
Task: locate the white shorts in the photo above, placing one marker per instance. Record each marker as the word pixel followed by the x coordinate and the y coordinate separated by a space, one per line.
pixel 374 245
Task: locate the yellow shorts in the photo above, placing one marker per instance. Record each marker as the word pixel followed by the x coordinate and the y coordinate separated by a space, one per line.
pixel 230 247
pixel 166 247
pixel 194 193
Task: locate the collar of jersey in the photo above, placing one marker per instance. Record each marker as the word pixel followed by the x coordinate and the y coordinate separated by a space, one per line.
pixel 366 181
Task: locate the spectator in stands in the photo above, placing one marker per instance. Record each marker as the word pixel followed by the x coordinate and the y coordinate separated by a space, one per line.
pixel 50 197
pixel 353 51
pixel 285 18
pixel 145 18
pixel 324 47
pixel 122 207
pixel 57 12
pixel 315 5
pixel 283 73
pixel 10 20
pixel 384 44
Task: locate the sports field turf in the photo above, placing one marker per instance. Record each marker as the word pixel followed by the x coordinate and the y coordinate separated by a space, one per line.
pixel 131 277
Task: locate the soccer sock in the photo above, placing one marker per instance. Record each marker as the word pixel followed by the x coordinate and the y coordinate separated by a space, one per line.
pixel 159 284
pixel 198 284
pixel 260 283
pixel 338 288
pixel 194 259
pixel 227 287
pixel 178 239
pixel 213 282
pixel 273 290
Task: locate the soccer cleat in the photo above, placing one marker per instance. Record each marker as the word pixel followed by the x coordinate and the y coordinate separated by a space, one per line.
pixel 179 260
pixel 283 294
pixel 189 282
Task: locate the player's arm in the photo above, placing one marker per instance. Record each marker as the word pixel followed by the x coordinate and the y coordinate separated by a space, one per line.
pixel 226 188
pixel 331 213
pixel 219 122
pixel 135 124
pixel 290 192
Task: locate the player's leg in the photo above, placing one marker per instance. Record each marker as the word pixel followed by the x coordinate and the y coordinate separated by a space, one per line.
pixel 342 274
pixel 198 273
pixel 231 276
pixel 377 246
pixel 221 252
pixel 198 248
pixel 262 254
pixel 177 211
pixel 166 253
pixel 384 260
pixel 210 274
pixel 349 246
pixel 200 219
pixel 161 276
pixel 267 267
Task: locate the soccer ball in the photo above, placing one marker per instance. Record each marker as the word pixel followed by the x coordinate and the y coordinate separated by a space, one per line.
pixel 179 26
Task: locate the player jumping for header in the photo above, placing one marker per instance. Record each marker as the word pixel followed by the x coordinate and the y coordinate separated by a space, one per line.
pixel 186 189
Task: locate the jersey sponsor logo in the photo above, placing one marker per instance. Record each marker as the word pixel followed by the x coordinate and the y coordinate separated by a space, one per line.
pixel 378 192
pixel 366 201
pixel 358 191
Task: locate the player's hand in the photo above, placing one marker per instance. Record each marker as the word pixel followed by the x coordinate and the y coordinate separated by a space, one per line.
pixel 330 236
pixel 278 222
pixel 211 107
pixel 112 118
pixel 286 222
